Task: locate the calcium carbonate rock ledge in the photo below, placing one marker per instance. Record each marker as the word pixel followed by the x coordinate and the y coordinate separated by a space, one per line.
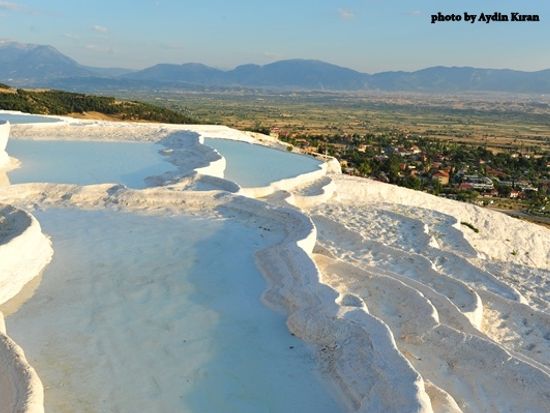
pixel 358 351
pixel 324 190
pixel 341 333
pixel 24 252
pixel 217 164
pixel 21 390
pixel 185 149
pixel 4 134
pixel 329 166
pixel 285 184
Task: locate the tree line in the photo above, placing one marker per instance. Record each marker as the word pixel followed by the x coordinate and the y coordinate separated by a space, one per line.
pixel 56 102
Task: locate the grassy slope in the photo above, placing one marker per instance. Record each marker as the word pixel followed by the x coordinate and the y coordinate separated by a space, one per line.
pixel 55 102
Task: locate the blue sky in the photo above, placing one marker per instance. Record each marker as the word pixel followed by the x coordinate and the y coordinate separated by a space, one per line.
pixel 366 35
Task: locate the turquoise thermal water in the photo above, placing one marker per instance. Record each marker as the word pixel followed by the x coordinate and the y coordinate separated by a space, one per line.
pixel 252 165
pixel 161 314
pixel 85 163
pixel 15 119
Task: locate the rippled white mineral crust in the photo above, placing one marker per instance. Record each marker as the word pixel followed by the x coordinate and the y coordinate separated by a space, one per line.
pixel 24 252
pixel 4 135
pixel 409 310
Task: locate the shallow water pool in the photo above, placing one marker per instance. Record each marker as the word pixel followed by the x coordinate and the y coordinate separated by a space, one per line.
pixel 251 165
pixel 19 119
pixel 161 314
pixel 85 162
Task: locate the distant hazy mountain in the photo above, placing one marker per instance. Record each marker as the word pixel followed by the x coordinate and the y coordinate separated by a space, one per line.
pixel 36 65
pixel 108 71
pixel 30 64
pixel 298 74
pixel 195 73
pixel 303 74
pixel 316 75
pixel 22 62
pixel 456 79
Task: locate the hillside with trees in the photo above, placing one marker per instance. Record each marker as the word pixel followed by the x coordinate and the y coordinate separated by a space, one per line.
pixel 56 102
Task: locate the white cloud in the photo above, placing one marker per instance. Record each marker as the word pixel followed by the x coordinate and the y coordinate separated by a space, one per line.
pixel 7 5
pixel 346 14
pixel 100 29
pixel 10 6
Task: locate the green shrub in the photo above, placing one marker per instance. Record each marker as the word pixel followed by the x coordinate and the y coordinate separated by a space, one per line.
pixel 56 102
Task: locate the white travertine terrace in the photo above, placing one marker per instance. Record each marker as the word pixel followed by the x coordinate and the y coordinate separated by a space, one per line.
pixel 294 286
pixel 24 252
pixel 4 134
pixel 409 310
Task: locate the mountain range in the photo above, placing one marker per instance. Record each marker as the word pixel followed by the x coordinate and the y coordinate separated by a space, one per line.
pixel 44 66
